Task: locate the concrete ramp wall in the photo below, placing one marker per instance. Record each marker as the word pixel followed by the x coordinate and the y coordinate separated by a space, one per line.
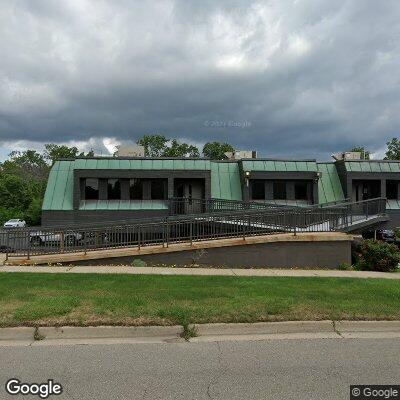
pixel 315 250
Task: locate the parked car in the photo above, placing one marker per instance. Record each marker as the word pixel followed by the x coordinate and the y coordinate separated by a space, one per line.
pixel 15 223
pixel 386 235
pixel 40 238
pixel 6 249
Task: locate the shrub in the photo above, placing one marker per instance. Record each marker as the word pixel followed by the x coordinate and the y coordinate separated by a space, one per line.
pixel 374 255
pixel 137 262
pixel 345 267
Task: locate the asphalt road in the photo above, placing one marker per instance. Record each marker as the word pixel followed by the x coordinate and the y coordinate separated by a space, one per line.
pixel 276 369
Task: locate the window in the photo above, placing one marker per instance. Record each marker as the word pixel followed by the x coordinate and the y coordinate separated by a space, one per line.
pixel 392 190
pixel 136 189
pixel 300 190
pixel 279 188
pixel 157 189
pixel 91 189
pixel 257 189
pixel 113 189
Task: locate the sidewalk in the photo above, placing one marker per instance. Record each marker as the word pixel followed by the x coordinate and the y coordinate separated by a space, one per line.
pixel 200 271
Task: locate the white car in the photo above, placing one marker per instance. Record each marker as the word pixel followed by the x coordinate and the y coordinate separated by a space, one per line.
pixel 15 223
pixel 40 238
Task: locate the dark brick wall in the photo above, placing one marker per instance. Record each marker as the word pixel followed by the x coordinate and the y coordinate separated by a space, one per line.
pixel 76 217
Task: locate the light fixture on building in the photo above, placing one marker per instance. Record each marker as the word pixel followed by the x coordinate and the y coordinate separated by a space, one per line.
pixel 247 175
pixel 318 176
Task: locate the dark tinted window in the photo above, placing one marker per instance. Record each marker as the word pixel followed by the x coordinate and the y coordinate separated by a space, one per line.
pixel 391 190
pixel 91 189
pixel 157 189
pixel 257 189
pixel 279 190
pixel 113 189
pixel 136 189
pixel 300 190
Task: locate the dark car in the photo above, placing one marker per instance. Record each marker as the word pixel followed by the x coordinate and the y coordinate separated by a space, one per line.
pixel 386 235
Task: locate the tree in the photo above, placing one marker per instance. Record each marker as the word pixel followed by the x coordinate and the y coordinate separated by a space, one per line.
pixel 176 149
pixel 160 146
pixel 393 150
pixel 365 154
pixel 23 180
pixel 154 145
pixel 216 150
pixel 28 164
pixel 14 192
pixel 54 152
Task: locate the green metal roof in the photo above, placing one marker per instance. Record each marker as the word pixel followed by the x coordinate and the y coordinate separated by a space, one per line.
pixel 280 166
pixel 149 164
pixel 329 187
pixel 225 181
pixel 372 166
pixel 59 188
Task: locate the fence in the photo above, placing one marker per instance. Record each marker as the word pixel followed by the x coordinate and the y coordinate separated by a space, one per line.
pixel 183 205
pixel 187 228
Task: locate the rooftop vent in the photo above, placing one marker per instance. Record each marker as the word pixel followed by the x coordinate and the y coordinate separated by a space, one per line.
pixel 239 154
pixel 130 151
pixel 347 155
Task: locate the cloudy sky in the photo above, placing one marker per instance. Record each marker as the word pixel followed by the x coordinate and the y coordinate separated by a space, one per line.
pixel 290 78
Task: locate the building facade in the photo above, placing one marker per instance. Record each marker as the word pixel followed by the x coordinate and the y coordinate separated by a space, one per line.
pixel 87 190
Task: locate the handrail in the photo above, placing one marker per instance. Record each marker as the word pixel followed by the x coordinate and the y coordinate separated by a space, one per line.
pixel 198 226
pixel 376 199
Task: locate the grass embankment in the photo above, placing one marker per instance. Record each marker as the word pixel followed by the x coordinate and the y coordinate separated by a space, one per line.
pixel 66 299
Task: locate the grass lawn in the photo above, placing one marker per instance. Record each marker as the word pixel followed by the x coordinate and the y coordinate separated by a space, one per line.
pixel 67 299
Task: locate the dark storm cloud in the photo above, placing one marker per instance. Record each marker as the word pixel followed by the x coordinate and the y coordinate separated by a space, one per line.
pixel 289 78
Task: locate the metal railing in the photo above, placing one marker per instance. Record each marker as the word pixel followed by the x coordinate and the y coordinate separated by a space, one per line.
pixel 361 210
pixel 331 203
pixel 184 205
pixel 188 228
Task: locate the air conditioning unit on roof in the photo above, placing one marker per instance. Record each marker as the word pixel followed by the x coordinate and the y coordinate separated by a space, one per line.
pixel 129 151
pixel 239 154
pixel 347 155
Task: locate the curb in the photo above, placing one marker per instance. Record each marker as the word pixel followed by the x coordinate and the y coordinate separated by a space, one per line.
pixel 367 326
pixel 165 333
pixel 21 333
pixel 265 328
pixel 108 332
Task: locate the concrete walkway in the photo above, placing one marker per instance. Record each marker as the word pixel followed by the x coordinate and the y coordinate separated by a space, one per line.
pixel 200 271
